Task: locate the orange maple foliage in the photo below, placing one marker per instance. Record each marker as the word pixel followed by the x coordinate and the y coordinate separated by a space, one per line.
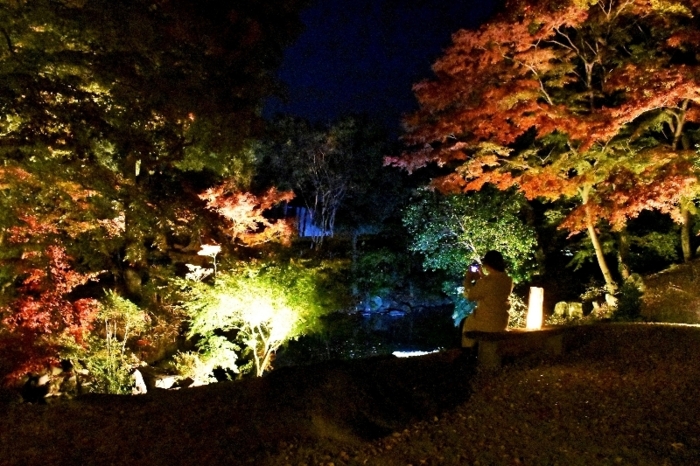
pixel 560 99
pixel 245 213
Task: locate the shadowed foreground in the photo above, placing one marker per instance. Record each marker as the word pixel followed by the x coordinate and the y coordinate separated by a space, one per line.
pixel 621 394
pixel 229 423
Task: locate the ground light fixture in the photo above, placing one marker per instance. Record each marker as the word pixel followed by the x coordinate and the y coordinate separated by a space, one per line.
pixel 534 309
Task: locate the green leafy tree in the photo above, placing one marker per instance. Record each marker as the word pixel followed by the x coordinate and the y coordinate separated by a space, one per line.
pixel 253 308
pixel 453 231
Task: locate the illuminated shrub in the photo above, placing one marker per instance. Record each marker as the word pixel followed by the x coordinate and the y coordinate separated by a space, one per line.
pixel 41 321
pixel 629 305
pixel 108 357
pixel 253 309
pixel 199 366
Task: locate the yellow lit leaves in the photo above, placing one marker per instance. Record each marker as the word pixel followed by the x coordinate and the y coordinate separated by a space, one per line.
pixel 670 7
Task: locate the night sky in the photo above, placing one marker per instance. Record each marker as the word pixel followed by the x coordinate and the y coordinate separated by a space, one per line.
pixel 363 56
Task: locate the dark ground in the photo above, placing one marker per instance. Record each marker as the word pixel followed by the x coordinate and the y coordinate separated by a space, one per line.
pixel 621 394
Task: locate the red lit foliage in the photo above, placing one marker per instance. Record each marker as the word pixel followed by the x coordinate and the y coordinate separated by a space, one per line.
pixel 592 101
pixel 559 98
pixel 42 319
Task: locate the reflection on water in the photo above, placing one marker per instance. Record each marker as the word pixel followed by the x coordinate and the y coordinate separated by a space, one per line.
pixel 410 354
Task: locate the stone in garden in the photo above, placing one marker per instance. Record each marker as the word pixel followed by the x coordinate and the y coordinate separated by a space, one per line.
pixel 139 387
pixel 576 310
pixel 166 382
pixel 561 308
pixel 610 300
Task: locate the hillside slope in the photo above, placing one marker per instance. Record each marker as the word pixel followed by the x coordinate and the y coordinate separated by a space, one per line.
pixel 673 295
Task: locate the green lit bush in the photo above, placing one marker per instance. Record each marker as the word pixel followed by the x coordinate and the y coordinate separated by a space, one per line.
pixel 451 231
pixel 108 358
pixel 249 311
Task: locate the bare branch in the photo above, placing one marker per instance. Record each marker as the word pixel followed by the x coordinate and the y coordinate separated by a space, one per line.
pixel 8 40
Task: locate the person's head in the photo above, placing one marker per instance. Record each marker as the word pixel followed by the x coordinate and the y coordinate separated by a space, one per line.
pixel 494 259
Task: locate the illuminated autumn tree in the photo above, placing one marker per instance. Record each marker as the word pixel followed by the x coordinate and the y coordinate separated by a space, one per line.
pixel 244 214
pixel 130 99
pixel 114 116
pixel 42 320
pixel 593 101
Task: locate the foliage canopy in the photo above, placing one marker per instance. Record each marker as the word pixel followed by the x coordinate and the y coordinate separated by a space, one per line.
pixel 253 308
pixel 592 101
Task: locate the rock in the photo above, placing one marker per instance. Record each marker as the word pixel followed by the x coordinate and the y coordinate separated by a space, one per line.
pixel 561 309
pixel 575 310
pixel 611 301
pixel 139 384
pixel 166 382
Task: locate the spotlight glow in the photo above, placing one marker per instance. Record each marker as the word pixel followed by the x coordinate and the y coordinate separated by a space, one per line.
pixel 534 309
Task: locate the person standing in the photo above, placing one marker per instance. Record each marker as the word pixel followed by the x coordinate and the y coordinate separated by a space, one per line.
pixel 490 287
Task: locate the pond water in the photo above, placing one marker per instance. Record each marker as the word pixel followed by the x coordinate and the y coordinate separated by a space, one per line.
pixel 362 335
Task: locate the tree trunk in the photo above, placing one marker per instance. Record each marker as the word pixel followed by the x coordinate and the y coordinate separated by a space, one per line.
pixel 685 234
pixel 134 251
pixel 685 213
pixel 610 285
pixel 623 254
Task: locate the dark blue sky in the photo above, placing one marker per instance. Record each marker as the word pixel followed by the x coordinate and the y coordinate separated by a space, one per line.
pixel 363 56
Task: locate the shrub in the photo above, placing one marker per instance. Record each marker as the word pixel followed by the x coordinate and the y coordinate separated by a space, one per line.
pixel 629 304
pixel 108 357
pixel 254 308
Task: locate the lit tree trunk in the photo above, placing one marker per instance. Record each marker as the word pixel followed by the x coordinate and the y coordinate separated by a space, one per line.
pixel 589 65
pixel 623 254
pixel 263 348
pixel 330 189
pixel 134 259
pixel 685 212
pixel 610 285
pixel 685 234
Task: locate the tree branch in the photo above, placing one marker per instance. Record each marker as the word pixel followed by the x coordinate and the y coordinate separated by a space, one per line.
pixel 8 40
